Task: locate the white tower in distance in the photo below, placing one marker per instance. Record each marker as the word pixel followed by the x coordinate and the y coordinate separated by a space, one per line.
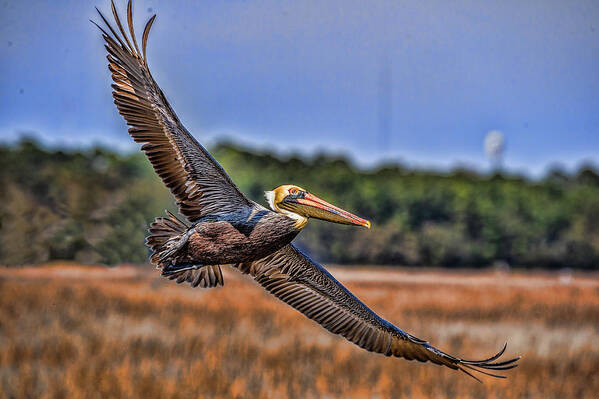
pixel 494 148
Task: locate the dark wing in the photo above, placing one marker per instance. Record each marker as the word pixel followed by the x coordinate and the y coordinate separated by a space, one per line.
pixel 302 283
pixel 200 185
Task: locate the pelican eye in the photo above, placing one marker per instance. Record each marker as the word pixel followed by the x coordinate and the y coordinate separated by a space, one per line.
pixel 294 194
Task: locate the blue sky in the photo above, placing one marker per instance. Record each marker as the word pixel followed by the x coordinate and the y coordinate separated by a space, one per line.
pixel 420 82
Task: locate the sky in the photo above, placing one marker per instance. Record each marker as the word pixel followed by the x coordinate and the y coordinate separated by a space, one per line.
pixel 418 82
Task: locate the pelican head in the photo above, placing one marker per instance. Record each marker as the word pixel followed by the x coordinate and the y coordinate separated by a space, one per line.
pixel 300 205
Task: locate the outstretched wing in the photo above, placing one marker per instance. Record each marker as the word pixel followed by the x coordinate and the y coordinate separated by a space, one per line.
pixel 302 283
pixel 200 185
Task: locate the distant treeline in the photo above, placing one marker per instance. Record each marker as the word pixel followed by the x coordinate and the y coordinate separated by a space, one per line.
pixel 94 207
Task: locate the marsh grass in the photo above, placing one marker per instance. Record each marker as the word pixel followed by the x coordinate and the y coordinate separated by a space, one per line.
pixel 83 332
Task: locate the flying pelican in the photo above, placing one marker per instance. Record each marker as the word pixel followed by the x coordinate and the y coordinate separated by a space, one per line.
pixel 229 229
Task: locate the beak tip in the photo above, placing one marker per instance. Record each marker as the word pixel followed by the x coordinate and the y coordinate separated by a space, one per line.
pixel 367 225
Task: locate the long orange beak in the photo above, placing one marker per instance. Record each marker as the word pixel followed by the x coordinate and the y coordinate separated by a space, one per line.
pixel 312 206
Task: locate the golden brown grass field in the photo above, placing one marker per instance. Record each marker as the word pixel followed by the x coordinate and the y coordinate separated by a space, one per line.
pixel 92 332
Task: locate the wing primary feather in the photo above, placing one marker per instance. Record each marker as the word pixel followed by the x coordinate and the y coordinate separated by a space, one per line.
pixel 482 371
pixel 120 26
pixel 130 23
pixel 144 40
pixel 494 357
pixel 470 374
pixel 502 368
pixel 116 37
pixel 503 363
pixel 104 33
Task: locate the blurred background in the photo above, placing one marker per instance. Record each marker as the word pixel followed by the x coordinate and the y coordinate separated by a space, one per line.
pixel 467 132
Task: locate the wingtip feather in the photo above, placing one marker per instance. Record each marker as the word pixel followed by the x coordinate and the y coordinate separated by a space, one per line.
pixel 144 39
pixel 480 366
pixel 120 26
pixel 130 23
